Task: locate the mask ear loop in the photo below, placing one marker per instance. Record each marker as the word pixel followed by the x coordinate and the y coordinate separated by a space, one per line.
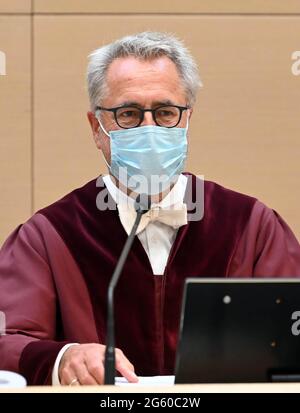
pixel 187 121
pixel 97 115
pixel 187 124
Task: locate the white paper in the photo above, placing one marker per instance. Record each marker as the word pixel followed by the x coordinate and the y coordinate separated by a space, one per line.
pixel 147 381
pixel 11 379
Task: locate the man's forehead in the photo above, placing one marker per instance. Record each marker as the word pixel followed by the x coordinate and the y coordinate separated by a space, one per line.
pixel 130 67
pixel 144 82
pixel 155 102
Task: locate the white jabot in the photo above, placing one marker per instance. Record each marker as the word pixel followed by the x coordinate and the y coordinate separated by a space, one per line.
pixel 174 217
pixel 158 227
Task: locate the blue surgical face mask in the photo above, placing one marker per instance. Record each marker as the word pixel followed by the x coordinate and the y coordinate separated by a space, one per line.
pixel 147 159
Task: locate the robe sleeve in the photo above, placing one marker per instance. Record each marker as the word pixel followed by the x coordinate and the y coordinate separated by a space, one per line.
pixel 267 248
pixel 28 300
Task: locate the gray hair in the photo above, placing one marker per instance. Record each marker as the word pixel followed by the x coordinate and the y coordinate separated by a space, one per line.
pixel 145 45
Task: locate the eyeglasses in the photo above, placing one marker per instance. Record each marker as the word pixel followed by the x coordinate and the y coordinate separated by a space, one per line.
pixel 128 117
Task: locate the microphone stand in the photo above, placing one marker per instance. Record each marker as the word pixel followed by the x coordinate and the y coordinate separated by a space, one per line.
pixel 109 363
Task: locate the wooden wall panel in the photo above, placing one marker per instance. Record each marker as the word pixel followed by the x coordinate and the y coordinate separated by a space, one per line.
pixel 245 128
pixel 15 6
pixel 15 132
pixel 166 6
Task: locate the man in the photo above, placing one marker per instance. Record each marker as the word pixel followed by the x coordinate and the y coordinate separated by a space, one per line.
pixel 55 269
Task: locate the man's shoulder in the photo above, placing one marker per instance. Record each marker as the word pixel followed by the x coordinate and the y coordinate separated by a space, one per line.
pixel 84 193
pixel 215 191
pixel 225 193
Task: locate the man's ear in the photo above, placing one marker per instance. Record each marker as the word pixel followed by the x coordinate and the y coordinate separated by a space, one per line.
pixel 95 128
pixel 93 122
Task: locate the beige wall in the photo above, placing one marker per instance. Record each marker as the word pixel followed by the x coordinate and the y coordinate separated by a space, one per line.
pixel 245 129
pixel 15 123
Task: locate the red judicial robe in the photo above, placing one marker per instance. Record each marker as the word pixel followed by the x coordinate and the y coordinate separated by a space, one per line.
pixel 55 270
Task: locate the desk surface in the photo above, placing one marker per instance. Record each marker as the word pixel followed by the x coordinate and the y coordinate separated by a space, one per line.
pixel 179 388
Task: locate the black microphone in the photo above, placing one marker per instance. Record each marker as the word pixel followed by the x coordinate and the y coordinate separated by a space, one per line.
pixel 142 205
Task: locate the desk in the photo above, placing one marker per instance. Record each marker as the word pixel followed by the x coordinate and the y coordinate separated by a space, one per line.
pixel 179 388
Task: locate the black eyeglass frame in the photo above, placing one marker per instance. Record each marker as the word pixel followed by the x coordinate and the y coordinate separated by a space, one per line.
pixel 142 114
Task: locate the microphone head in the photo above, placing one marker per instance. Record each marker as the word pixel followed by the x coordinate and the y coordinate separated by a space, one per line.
pixel 142 203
